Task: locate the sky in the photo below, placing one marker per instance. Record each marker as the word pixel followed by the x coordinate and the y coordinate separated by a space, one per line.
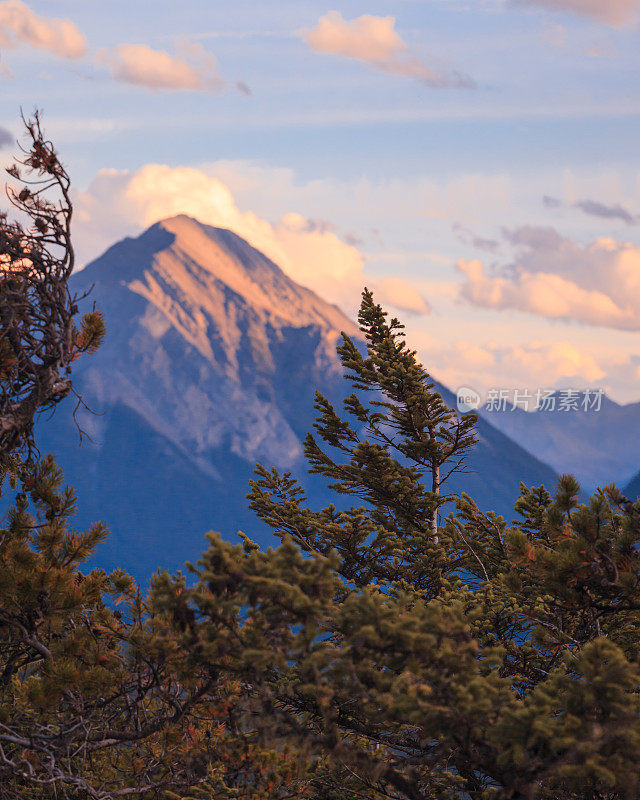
pixel 476 163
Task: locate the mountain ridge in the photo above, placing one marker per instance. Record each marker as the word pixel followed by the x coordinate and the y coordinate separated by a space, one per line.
pixel 598 447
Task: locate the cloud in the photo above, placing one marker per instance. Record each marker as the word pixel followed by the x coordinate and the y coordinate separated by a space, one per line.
pixel 530 366
pixel 375 41
pixel 6 139
pixel 556 35
pixel 617 13
pixel 553 277
pixel 596 209
pixel 192 69
pixel 20 26
pixel 400 294
pixel 543 294
pixel 468 237
pixel 551 361
pixel 551 202
pixel 122 203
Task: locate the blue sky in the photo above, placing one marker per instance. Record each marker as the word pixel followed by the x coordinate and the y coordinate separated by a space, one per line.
pixel 476 162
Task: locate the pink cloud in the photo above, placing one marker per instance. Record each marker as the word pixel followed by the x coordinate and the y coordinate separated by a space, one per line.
pixel 555 278
pixel 400 294
pixel 375 41
pixel 20 26
pixel 193 69
pixel 532 365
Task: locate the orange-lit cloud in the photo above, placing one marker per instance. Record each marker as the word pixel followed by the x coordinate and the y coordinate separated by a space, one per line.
pixel 192 69
pixel 524 366
pixel 19 25
pixel 555 278
pixel 375 41
pixel 121 203
pixel 400 294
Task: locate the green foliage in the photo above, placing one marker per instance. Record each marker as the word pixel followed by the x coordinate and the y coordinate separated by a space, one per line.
pixel 381 455
pixel 91 335
pixel 406 659
pixel 102 695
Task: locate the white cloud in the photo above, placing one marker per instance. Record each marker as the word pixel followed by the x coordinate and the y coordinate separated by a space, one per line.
pixel 121 203
pixel 617 13
pixel 192 69
pixel 375 41
pixel 21 26
pixel 555 278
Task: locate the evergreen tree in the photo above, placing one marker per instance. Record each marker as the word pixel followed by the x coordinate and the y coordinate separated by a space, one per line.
pixel 99 697
pixel 473 659
pixel 38 336
pixel 396 453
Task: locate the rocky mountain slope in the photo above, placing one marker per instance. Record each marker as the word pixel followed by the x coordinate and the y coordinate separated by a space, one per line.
pixel 211 362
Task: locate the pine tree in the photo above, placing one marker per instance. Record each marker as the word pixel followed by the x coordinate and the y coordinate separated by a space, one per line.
pixel 94 702
pixel 102 695
pixel 474 659
pixel 396 453
pixel 38 336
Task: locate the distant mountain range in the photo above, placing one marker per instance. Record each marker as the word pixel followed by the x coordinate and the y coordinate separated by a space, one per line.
pixel 598 447
pixel 211 362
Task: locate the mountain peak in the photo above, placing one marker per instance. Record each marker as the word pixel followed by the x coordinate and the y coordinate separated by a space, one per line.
pixel 193 271
pixel 209 341
pixel 186 228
